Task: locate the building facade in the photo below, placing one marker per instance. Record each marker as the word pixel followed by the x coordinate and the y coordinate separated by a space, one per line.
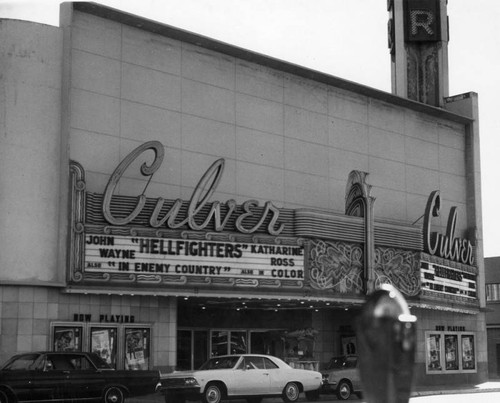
pixel 492 275
pixel 167 197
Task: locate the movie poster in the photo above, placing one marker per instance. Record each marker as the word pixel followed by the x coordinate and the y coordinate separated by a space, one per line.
pixel 451 352
pixel 67 338
pixel 137 348
pixel 434 352
pixel 468 355
pixel 103 343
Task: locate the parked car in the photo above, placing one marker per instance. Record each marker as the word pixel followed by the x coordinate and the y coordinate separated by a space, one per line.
pixel 341 377
pixel 70 376
pixel 249 376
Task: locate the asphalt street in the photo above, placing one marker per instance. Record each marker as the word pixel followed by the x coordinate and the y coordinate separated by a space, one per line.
pixel 488 392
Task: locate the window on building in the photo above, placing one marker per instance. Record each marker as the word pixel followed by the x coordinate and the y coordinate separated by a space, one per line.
pixel 493 292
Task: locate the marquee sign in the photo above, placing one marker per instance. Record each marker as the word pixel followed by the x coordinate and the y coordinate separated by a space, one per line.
pixel 440 279
pixel 446 245
pixel 192 258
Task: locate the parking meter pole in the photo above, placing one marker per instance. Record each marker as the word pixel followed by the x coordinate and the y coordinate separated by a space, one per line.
pixel 386 338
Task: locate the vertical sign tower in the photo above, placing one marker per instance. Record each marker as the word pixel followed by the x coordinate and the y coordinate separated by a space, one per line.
pixel 418 43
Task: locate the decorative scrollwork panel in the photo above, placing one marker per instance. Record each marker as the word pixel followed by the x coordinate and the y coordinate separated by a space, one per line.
pixel 398 267
pixel 336 266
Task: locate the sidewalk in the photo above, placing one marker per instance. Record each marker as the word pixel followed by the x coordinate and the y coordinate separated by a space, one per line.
pixel 491 386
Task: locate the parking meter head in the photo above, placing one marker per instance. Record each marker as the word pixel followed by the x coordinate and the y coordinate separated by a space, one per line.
pixel 386 338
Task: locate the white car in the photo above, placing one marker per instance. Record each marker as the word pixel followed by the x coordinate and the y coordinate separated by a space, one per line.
pixel 248 376
pixel 341 377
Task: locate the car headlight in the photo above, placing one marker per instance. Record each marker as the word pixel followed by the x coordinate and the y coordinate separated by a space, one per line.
pixel 191 382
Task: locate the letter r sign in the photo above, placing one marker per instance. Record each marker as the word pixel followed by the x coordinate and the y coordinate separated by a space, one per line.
pixel 422 20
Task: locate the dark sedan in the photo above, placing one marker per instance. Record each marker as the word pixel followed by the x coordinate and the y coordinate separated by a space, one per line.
pixel 70 376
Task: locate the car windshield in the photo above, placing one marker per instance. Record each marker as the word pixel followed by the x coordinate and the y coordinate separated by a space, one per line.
pixel 342 362
pixel 220 363
pixel 23 362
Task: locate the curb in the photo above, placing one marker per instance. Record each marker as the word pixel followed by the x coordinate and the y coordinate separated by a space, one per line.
pixel 454 391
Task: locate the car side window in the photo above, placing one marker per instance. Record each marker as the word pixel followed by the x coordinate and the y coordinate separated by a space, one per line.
pixel 269 364
pixel 80 362
pixel 60 362
pixel 48 365
pixel 256 362
pixel 351 362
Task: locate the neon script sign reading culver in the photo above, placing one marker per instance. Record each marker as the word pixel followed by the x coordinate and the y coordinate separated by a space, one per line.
pixel 445 246
pixel 199 199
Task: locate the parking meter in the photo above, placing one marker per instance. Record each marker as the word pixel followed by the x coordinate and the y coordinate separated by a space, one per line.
pixel 386 345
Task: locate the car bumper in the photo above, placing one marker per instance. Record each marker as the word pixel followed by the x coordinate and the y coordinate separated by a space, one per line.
pixel 328 387
pixel 189 393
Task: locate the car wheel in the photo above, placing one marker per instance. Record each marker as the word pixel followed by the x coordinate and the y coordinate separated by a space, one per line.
pixel 312 395
pixel 113 395
pixel 344 390
pixel 291 392
pixel 4 398
pixel 213 393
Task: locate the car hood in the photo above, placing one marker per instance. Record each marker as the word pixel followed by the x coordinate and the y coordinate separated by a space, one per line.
pixel 183 374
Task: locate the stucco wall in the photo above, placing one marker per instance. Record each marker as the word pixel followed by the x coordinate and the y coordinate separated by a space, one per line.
pixel 284 138
pixel 30 141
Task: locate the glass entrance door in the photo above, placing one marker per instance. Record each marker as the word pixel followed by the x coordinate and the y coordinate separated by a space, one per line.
pixel 192 349
pixel 228 342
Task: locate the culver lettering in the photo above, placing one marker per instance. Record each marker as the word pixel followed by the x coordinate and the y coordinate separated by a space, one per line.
pixel 445 246
pixel 199 199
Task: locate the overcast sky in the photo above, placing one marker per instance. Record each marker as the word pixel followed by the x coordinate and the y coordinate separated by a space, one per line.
pixel 345 38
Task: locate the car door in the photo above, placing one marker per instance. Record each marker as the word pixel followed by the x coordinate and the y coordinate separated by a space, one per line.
pixel 84 380
pixel 49 380
pixel 252 378
pixel 20 381
pixel 278 377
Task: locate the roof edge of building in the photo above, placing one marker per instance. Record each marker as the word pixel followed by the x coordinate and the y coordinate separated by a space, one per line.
pixel 264 60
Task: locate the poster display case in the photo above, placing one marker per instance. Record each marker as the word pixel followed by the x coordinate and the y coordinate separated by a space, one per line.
pixel 122 346
pixel 103 342
pixel 450 352
pixel 137 351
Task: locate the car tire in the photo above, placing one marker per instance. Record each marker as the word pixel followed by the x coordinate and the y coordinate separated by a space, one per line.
pixel 4 397
pixel 213 393
pixel 312 395
pixel 344 390
pixel 291 393
pixel 113 395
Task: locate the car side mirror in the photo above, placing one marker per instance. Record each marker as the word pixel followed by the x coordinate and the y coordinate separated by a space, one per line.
pixel 49 366
pixel 248 366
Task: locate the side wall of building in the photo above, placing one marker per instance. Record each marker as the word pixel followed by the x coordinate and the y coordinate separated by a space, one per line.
pixel 30 150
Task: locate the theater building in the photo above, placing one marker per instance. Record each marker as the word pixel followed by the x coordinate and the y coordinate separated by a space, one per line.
pixel 492 279
pixel 167 197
